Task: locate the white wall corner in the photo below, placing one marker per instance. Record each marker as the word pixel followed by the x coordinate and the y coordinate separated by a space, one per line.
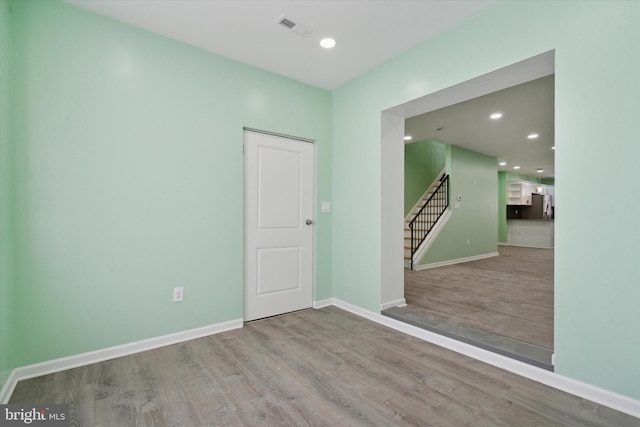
pixel 392 209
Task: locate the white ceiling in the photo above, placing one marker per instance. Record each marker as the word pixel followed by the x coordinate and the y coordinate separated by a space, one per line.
pixel 368 33
pixel 527 108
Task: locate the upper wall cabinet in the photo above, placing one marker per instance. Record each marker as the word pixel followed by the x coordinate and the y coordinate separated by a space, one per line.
pixel 519 193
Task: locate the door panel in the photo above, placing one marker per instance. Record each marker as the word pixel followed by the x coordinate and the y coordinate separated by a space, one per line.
pixel 278 242
pixel 279 197
pixel 278 270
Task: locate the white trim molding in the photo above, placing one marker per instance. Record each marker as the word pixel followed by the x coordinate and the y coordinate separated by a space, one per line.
pixel 525 246
pixel 323 303
pixel 595 394
pixel 397 303
pixel 455 261
pixel 431 237
pixel 70 362
pixel 7 388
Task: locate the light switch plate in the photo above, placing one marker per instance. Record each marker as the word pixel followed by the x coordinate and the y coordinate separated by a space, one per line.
pixel 326 207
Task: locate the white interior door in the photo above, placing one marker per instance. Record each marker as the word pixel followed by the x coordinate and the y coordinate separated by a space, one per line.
pixel 278 225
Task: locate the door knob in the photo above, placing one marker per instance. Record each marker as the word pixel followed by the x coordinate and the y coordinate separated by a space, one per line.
pixel 308 222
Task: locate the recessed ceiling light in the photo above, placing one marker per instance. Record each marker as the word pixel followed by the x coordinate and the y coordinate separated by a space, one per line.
pixel 532 136
pixel 327 43
pixel 503 163
pixel 408 138
pixel 516 167
pixel 553 148
pixel 495 116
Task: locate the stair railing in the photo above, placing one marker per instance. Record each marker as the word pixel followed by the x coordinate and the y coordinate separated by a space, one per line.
pixel 423 222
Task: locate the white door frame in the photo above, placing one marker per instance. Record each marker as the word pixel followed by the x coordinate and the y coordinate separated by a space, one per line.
pixel 313 208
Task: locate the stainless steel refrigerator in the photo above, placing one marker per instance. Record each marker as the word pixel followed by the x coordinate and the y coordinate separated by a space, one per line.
pixel 540 208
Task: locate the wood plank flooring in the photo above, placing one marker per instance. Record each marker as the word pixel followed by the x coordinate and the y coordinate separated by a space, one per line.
pixel 510 295
pixel 310 368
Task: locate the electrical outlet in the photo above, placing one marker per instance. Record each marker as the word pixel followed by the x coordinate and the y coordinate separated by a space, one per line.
pixel 468 241
pixel 178 294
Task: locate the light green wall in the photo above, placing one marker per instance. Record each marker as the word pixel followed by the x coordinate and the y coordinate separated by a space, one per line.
pixel 7 280
pixel 597 97
pixel 511 176
pixel 473 176
pixel 423 161
pixel 130 174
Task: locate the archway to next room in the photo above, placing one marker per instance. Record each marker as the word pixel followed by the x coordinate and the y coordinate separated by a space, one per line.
pixel 539 68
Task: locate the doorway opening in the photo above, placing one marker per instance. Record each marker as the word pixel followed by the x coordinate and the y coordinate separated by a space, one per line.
pixel 393 286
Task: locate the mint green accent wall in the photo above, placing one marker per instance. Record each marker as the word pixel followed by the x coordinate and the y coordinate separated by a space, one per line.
pixel 7 278
pixel 597 97
pixel 511 176
pixel 473 176
pixel 130 174
pixel 423 161
pixel 503 235
pixel 128 170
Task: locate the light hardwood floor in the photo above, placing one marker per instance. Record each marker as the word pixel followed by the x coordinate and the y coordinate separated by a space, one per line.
pixel 510 295
pixel 322 367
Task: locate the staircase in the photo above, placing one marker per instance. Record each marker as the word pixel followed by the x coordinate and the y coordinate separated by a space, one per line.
pixel 425 217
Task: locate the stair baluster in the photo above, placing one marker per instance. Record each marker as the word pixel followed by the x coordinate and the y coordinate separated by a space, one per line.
pixel 423 222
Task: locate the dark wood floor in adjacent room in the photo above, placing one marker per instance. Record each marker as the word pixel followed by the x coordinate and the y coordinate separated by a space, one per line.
pixel 510 295
pixel 314 367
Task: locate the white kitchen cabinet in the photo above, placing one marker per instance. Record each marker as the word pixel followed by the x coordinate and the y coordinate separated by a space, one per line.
pixel 519 193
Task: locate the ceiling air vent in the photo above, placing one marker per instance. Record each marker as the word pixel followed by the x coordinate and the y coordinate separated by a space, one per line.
pixel 298 29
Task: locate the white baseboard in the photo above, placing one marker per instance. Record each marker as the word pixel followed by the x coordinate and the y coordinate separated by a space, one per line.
pixel 595 394
pixel 397 303
pixel 7 388
pixel 525 246
pixel 64 363
pixel 454 261
pixel 323 303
